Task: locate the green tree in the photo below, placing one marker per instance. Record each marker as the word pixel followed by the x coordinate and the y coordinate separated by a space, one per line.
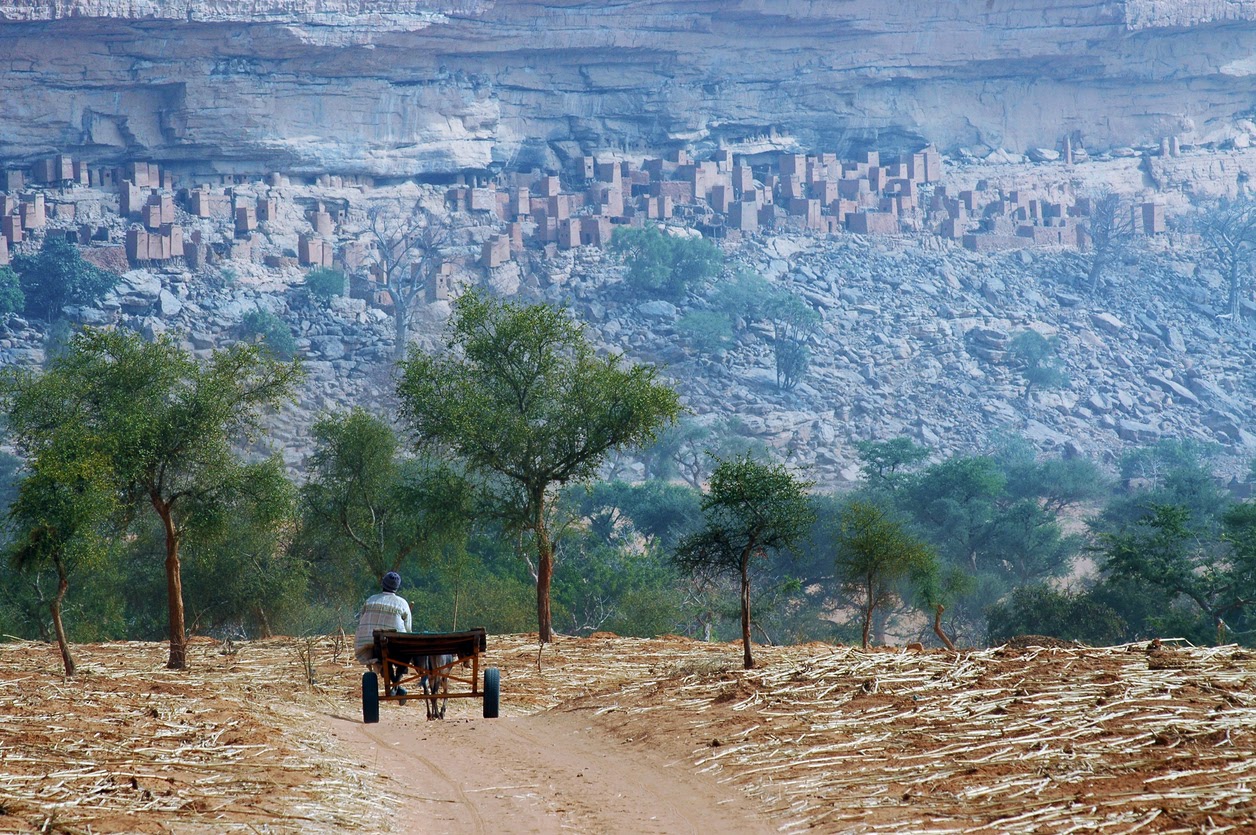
pixel 325 284
pixel 57 276
pixel 1041 610
pixel 746 296
pixel 520 396
pixel 708 331
pixel 160 424
pixel 366 510
pixel 12 299
pixel 1167 551
pixel 241 576
pixel 662 265
pixel 875 556
pixel 264 327
pixel 885 464
pixel 1033 356
pixel 59 516
pixel 750 509
pixel 793 324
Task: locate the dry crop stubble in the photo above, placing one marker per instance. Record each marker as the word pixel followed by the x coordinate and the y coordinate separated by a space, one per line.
pixel 1016 739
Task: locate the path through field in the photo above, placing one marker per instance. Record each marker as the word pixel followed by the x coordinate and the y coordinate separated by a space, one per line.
pixel 559 771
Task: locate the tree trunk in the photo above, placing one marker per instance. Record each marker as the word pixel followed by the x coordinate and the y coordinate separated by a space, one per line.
pixel 869 606
pixel 401 328
pixel 1235 281
pixel 747 657
pixel 544 568
pixel 1096 269
pixel 264 623
pixel 174 590
pixel 937 628
pixel 63 584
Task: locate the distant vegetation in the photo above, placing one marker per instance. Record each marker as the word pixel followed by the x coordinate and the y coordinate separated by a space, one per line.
pixel 57 276
pixel 503 503
pixel 267 329
pixel 665 266
pixel 325 284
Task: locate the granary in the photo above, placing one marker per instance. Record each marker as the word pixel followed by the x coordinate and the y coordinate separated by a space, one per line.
pixel 495 251
pixel 314 252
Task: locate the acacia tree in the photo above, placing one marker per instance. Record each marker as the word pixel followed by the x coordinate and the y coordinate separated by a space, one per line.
pixel 406 251
pixel 875 556
pixel 1228 229
pixel 793 323
pixel 1033 356
pixel 750 509
pixel 58 519
pixel 57 276
pixel 1166 549
pixel 520 396
pixel 366 502
pixel 160 425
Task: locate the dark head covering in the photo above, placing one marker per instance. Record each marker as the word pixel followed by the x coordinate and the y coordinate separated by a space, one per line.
pixel 392 581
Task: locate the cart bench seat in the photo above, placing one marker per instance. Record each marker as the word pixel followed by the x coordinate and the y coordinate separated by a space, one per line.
pixel 392 644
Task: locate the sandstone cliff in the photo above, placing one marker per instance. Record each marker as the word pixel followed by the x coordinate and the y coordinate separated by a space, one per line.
pixel 403 88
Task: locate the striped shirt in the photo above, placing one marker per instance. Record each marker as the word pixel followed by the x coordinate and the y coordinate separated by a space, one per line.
pixel 380 611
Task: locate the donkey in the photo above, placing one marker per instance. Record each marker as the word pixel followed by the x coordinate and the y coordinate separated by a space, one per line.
pixel 436 683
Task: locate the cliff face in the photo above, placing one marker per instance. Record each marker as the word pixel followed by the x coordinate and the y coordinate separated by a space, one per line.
pixel 403 88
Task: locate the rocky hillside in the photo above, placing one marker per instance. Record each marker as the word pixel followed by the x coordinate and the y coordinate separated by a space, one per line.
pixel 405 88
pixel 913 340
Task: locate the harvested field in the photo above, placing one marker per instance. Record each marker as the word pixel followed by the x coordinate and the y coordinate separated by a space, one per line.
pixel 1028 739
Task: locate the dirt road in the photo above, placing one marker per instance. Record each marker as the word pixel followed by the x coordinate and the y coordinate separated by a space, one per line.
pixel 540 773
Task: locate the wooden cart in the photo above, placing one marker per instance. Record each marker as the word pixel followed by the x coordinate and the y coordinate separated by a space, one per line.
pixel 404 650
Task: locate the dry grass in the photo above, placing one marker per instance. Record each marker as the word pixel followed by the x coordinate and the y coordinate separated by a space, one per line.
pixel 1061 739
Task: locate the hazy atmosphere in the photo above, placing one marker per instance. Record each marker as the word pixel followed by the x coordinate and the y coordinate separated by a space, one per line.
pixel 643 417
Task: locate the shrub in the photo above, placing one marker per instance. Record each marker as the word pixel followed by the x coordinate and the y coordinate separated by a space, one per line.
pixel 709 331
pixel 265 327
pixel 12 299
pixel 1042 610
pixel 324 284
pixel 662 265
pixel 57 276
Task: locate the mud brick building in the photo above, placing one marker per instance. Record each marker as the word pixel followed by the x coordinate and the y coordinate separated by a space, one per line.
pixel 314 252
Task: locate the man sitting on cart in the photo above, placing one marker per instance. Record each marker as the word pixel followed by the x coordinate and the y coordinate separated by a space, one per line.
pixel 386 610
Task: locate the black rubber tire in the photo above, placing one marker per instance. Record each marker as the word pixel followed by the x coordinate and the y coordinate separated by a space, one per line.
pixel 492 692
pixel 370 697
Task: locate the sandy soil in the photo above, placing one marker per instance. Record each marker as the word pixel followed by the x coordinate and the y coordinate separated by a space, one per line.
pixel 551 772
pixel 608 735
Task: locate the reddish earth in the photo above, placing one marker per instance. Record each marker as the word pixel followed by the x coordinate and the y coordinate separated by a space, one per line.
pixel 609 734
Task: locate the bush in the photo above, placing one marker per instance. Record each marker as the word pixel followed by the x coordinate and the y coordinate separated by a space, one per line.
pixel 267 328
pixel 709 331
pixel 57 276
pixel 1042 610
pixel 12 299
pixel 662 265
pixel 324 284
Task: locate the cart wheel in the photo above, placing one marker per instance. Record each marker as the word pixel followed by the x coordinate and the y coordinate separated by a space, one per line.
pixel 492 692
pixel 370 697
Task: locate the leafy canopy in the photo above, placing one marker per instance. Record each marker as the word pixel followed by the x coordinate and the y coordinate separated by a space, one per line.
pixel 57 276
pixel 751 508
pixel 662 265
pixel 160 427
pixel 521 397
pixel 875 556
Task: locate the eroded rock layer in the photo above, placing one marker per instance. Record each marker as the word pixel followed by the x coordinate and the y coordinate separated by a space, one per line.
pixel 404 88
